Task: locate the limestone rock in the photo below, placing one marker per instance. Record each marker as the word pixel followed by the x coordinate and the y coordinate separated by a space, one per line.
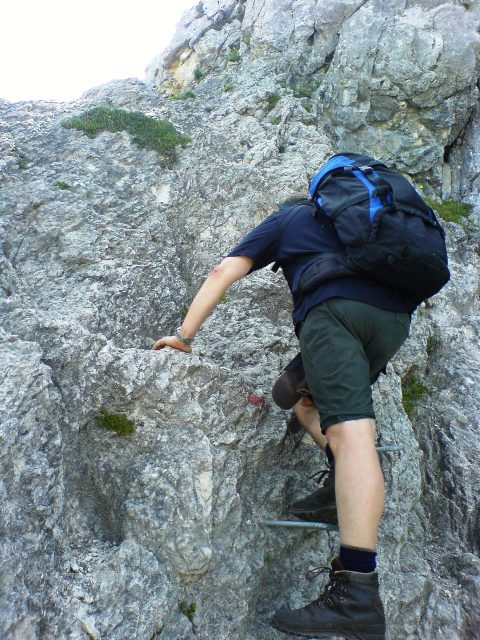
pixel 394 78
pixel 131 595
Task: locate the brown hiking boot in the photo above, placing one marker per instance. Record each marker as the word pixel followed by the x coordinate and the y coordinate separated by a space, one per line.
pixel 319 506
pixel 349 606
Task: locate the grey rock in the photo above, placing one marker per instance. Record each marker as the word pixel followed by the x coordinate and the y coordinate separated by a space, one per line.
pixel 131 595
pixel 392 78
pixel 410 78
pixel 31 486
pixel 196 23
pixel 169 511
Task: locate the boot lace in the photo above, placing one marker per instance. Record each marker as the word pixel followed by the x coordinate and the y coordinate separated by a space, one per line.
pixel 318 476
pixel 334 591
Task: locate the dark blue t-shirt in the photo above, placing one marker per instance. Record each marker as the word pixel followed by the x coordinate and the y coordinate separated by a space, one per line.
pixel 302 236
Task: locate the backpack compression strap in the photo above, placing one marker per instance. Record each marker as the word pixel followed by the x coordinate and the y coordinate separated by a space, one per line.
pixel 379 191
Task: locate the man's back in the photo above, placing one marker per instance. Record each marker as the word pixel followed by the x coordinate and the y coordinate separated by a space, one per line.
pixel 292 237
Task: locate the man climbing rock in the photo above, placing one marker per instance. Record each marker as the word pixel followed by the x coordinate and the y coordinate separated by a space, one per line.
pixel 349 326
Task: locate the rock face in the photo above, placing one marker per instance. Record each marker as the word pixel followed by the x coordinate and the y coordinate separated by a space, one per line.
pixel 157 535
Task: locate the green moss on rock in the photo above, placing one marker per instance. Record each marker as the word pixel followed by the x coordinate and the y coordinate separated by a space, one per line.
pixel 117 422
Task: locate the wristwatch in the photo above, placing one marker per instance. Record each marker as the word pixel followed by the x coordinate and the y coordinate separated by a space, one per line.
pixel 181 338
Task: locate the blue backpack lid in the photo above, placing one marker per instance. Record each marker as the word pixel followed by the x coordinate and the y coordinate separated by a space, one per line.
pixel 335 162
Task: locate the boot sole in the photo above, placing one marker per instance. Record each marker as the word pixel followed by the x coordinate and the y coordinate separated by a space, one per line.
pixel 325 515
pixel 328 634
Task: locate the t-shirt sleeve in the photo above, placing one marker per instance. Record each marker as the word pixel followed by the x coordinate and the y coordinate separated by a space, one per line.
pixel 261 244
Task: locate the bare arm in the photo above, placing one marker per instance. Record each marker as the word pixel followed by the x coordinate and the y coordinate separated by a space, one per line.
pixel 219 279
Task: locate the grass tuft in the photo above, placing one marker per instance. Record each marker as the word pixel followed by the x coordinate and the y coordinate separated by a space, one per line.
pixel 303 87
pixel 412 391
pixel 433 342
pixel 233 55
pixel 188 94
pixel 146 132
pixel 117 422
pixel 451 210
pixel 272 100
pixel 62 185
pixel 188 610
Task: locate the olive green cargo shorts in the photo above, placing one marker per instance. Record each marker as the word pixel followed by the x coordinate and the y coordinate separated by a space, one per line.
pixel 345 344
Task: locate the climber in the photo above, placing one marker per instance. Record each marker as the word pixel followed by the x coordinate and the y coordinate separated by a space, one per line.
pixel 349 327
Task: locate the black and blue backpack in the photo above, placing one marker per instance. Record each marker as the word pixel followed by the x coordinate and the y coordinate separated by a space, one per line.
pixel 390 234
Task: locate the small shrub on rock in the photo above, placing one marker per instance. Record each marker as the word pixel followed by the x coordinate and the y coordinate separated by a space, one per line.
pixel 146 132
pixel 22 161
pixel 433 342
pixel 185 95
pixel 305 88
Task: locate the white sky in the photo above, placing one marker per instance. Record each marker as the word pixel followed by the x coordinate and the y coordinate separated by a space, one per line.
pixel 57 49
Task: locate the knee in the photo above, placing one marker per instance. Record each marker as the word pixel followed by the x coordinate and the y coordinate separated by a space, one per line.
pixel 351 434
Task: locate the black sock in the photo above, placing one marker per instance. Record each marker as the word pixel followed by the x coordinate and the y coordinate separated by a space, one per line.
pixel 330 458
pixel 355 559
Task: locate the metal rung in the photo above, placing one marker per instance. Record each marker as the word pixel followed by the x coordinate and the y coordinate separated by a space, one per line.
pixel 390 447
pixel 294 524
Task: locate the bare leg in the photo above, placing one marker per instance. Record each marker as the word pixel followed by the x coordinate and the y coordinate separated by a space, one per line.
pixel 309 418
pixel 359 485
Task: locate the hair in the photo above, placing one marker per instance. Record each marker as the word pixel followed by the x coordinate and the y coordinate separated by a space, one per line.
pixel 298 196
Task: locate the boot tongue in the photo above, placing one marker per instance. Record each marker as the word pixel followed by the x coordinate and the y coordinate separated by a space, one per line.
pixel 337 565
